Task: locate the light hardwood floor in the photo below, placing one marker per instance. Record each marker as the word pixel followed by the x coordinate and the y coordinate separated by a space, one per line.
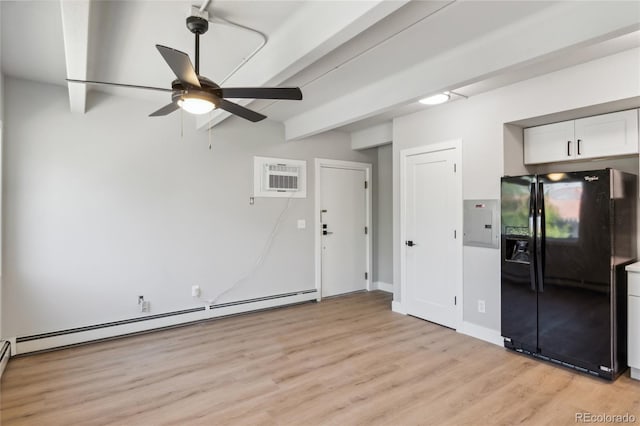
pixel 347 360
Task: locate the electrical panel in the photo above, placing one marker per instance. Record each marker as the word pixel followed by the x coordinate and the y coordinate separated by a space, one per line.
pixel 481 228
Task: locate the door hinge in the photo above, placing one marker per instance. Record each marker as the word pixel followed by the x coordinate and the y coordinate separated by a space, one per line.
pixel 455 169
pixel 366 275
pixel 455 300
pixel 366 230
pixel 366 184
pixel 455 234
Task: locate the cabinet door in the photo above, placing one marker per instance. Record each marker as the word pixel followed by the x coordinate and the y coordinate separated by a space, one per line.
pixel 607 134
pixel 549 143
pixel 633 352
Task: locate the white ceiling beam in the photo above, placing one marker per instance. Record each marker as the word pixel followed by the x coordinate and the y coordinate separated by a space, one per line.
pixel 373 136
pixel 316 28
pixel 555 30
pixel 75 28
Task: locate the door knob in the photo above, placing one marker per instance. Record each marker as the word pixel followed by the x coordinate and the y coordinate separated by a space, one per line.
pixel 410 243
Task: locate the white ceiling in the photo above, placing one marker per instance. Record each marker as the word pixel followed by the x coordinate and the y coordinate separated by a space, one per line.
pixel 310 47
pixel 122 39
pixel 32 44
pixel 422 29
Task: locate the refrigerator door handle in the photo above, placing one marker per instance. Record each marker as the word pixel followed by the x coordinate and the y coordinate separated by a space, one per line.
pixel 532 232
pixel 540 236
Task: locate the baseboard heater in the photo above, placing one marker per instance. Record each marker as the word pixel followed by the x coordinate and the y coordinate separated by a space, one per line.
pixel 92 333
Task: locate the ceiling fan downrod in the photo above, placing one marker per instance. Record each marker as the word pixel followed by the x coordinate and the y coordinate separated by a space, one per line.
pixel 197 26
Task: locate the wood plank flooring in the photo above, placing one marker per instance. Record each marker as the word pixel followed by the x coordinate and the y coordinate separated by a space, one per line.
pixel 347 360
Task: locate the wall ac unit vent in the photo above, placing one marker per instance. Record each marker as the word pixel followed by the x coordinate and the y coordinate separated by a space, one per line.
pixel 281 177
pixel 277 177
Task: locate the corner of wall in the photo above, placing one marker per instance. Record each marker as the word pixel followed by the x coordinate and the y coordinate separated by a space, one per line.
pixel 1 173
pixel 398 308
pixel 1 186
pixel 513 150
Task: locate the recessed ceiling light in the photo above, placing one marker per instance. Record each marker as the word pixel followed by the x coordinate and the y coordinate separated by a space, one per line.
pixel 440 98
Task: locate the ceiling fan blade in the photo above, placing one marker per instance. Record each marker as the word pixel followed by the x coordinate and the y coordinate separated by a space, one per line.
pixel 165 110
pixel 290 93
pixel 180 64
pixel 133 86
pixel 241 111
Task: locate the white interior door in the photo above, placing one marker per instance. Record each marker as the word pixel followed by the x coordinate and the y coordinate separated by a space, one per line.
pixel 431 255
pixel 343 220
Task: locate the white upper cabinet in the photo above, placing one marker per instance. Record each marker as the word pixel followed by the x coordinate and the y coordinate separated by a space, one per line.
pixel 607 134
pixel 550 143
pixel 592 137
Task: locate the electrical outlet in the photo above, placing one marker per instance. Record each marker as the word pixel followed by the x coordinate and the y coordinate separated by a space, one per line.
pixel 195 291
pixel 481 306
pixel 252 201
pixel 143 305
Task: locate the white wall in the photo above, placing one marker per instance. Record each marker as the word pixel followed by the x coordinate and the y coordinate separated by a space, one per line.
pixel 479 122
pixel 1 172
pixel 383 228
pixel 103 207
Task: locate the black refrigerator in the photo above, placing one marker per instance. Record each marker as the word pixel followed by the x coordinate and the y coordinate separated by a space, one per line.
pixel 566 238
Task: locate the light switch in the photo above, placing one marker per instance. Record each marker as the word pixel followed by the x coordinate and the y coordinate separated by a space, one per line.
pixel 302 224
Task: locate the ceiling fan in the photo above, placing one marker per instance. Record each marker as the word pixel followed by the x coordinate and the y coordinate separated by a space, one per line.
pixel 199 95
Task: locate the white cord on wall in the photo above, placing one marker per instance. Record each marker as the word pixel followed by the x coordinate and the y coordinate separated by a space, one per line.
pixel 260 260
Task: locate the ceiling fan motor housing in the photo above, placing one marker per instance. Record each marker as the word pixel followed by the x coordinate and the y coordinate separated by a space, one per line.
pixel 197 25
pixel 209 91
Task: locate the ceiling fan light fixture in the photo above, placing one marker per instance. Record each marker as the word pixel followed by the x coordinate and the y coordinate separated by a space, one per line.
pixel 196 105
pixel 440 98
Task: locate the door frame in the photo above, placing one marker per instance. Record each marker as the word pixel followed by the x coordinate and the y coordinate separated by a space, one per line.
pixel 350 165
pixel 456 146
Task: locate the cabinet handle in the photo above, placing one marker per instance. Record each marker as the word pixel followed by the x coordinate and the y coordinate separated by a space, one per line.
pixel 568 148
pixel 579 140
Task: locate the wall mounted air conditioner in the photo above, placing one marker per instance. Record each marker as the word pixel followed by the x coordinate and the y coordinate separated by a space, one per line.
pixel 278 177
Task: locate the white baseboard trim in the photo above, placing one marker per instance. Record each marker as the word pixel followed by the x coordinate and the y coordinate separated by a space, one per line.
pixel 381 285
pixel 397 307
pixel 84 336
pixel 5 354
pixel 482 333
pixel 635 373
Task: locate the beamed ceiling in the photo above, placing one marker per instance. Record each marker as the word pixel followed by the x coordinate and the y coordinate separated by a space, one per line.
pixel 359 63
